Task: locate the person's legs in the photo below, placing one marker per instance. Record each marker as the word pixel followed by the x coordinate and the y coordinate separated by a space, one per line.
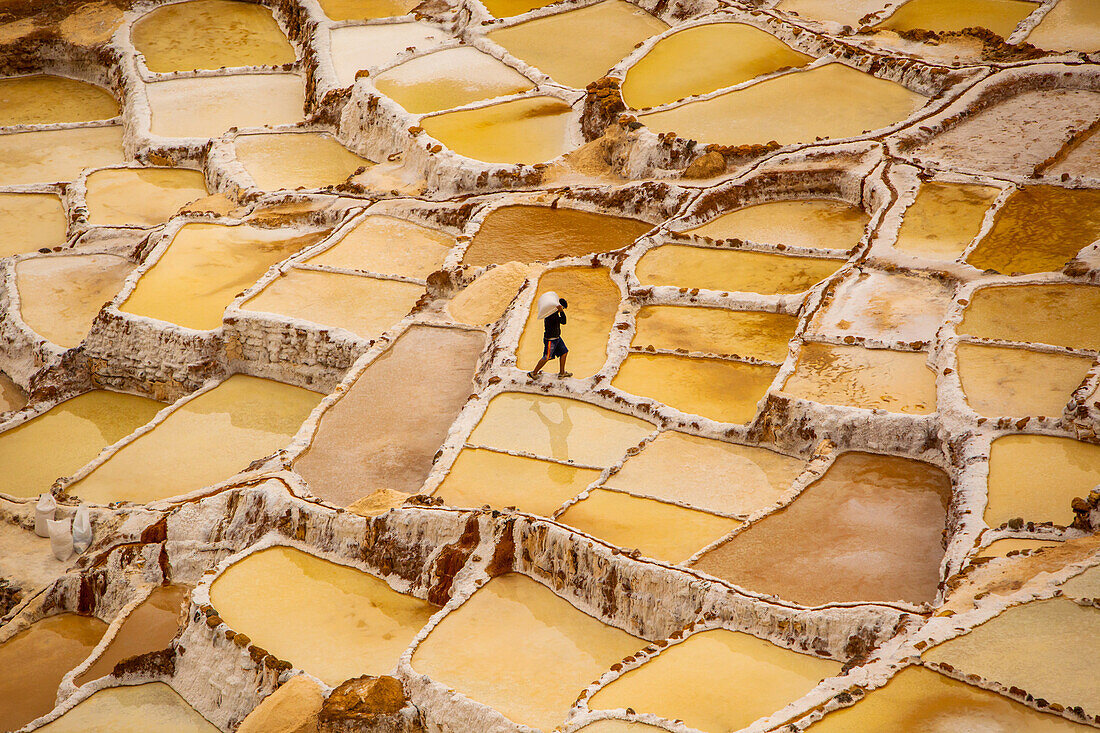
pixel 546 356
pixel 561 366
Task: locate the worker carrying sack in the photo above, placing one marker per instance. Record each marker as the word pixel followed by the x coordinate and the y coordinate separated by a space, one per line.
pixel 44 511
pixel 61 538
pixel 548 303
pixel 82 529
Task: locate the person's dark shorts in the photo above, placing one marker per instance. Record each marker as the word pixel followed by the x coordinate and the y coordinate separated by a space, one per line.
pixel 554 348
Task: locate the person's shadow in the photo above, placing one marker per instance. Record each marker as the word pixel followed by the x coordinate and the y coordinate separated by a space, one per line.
pixel 558 434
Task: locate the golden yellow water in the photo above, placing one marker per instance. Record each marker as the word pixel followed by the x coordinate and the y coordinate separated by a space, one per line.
pixel 1015 382
pixel 1062 315
pixel 1039 229
pixel 59 297
pixel 715 331
pixel 296 160
pixel 1036 477
pixel 766 678
pixel 31 221
pixel 820 223
pixel 612 725
pixel 726 391
pixel 944 219
pixel 333 621
pixel 67 436
pixel 660 530
pixel 593 304
pixel 732 270
pixel 501 480
pixel 829 101
pixel 1085 585
pixel 579 46
pixel 702 59
pixel 1071 24
pixel 1036 647
pixel 560 428
pixel 886 306
pixel 51 156
pixel 44 99
pixel 408 422
pixel 528 130
pixel 389 246
pixel 366 306
pixel 845 12
pixel 540 234
pixel 208 34
pixel 150 627
pixel 132 709
pixel 11 396
pixel 708 474
pixel 999 16
pixel 207 107
pixel 534 652
pixel 205 267
pixel 141 196
pixel 869 530
pixel 33 662
pixel 1001 548
pixel 203 442
pixel 365 9
pixel 895 381
pixel 358 47
pixel 449 78
pixel 919 699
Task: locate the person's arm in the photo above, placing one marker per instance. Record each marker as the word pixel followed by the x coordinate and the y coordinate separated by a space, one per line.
pixel 561 315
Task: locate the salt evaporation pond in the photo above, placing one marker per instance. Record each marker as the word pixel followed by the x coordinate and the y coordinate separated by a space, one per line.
pixel 886 307
pixel 389 246
pixel 449 78
pixel 11 396
pixel 141 197
pixel 365 9
pixel 528 130
pixel 1036 477
pixel 1018 382
pixel 50 156
pixel 1071 24
pixel 31 221
pixel 944 219
pixel 688 266
pixel 715 331
pixel 205 107
pixel 43 99
pixel 296 160
pixel 816 223
pixel 1059 315
pixel 999 16
pixel 365 47
pixel 132 709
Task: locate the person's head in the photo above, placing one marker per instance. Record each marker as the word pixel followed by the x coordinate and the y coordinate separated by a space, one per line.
pixel 562 303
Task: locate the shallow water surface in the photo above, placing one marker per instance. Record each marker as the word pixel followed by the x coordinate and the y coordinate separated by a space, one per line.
pixel 1037 477
pixel 1057 314
pixel 732 270
pixel 817 223
pixel 528 130
pixel 31 221
pixel 59 297
pixel 715 331
pixel 944 219
pixel 206 107
pixel 141 196
pixel 43 99
pixel 132 709
pixel 292 160
pixel 449 78
pixel 1016 382
pixel 388 246
pixel 51 156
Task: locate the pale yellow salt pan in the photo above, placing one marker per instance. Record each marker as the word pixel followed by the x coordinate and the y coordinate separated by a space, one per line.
pixel 529 130
pixel 63 439
pixel 1015 382
pixel 919 699
pixel 365 9
pixel 366 306
pixel 895 381
pixel 887 307
pixel 208 106
pixel 726 391
pixel 389 246
pixel 715 331
pixel 535 652
pixel 359 47
pixel 1036 647
pixel 333 621
pixel 485 299
pixel 449 78
pixel 31 221
pixel 501 480
pixel 819 223
pixel 660 530
pixel 578 46
pixel 766 678
pixel 732 270
pixel 944 219
pixel 845 12
pixel 43 99
pixel 1069 25
pixel 829 101
pixel 220 431
pixel 59 297
pixel 205 267
pixel 1085 585
pixel 708 474
pixel 1060 314
pixel 702 59
pixel 132 709
pixel 291 160
pixel 141 196
pixel 51 156
pixel 556 427
pixel 593 300
pixel 208 34
pixel 1037 477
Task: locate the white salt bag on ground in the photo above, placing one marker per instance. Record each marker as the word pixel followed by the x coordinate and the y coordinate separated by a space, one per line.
pixel 61 538
pixel 44 511
pixel 548 303
pixel 82 529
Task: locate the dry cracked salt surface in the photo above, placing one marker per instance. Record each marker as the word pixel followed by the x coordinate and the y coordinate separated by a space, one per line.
pixel 829 458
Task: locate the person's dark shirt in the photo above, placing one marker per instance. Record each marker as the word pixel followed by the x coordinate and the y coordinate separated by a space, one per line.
pixel 551 325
